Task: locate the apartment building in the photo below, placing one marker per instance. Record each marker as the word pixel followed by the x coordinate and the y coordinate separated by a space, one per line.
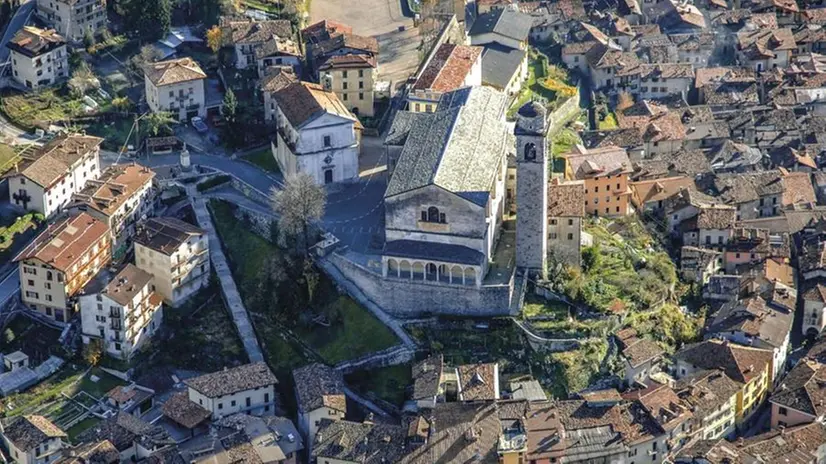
pixel 605 173
pixel 120 197
pixel 352 78
pixel 176 86
pixel 275 78
pixel 249 388
pixel 801 398
pixel 45 180
pixel 123 311
pixel 61 261
pixel 73 18
pixel 566 210
pixel 38 57
pixel 713 396
pixel 319 392
pixel 317 134
pixel 33 440
pixel 248 36
pixel 176 254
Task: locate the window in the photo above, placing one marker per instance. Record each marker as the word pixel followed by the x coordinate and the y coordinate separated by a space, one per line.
pixel 220 405
pixel 570 222
pixel 596 189
pixel 783 411
pixel 249 402
pixel 570 236
pixel 233 403
pixel 361 95
pixel 344 97
pixel 344 85
pixel 328 142
pixel 31 283
pixel 361 73
pixel 48 286
pixel 553 235
pixel 361 84
pixel 553 222
pixel 48 298
pixel 344 74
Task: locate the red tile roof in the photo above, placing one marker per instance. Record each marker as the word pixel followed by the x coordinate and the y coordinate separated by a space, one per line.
pixel 448 68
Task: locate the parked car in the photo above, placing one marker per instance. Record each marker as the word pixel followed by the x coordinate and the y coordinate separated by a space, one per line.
pixel 199 125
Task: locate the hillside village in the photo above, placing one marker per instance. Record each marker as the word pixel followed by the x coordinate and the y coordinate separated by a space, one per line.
pixel 403 231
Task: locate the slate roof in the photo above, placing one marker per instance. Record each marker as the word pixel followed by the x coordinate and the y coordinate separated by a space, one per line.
pixel 255 32
pixel 365 443
pixel 402 124
pixel 124 430
pixel 277 77
pixel 165 234
pixel 528 390
pixel 426 376
pixel 51 162
pixel 319 386
pixel 234 380
pixel 566 199
pixel 448 68
pixel 28 432
pixel 741 188
pixel 65 241
pixel 625 138
pixel 416 249
pixel 740 363
pixel 458 148
pixel 803 389
pixel 716 217
pixel 303 102
pixel 505 22
pixel 277 46
pixel 174 71
pixel 734 156
pixel 755 319
pixel 500 64
pixel 32 41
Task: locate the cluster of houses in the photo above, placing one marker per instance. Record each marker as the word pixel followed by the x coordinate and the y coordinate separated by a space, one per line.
pixel 95 217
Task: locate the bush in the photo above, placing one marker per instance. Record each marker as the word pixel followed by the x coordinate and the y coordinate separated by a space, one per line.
pixel 213 182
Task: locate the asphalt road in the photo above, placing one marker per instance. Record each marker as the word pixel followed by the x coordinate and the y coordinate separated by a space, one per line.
pixel 21 16
pixel 9 286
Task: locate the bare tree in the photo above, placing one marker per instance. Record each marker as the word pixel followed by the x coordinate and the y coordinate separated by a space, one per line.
pixel 298 204
pixel 83 80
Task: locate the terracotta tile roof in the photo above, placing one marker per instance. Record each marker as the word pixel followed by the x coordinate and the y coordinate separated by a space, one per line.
pixel 174 71
pixel 349 61
pixel 716 217
pixel 796 445
pixel 598 162
pixel 448 68
pixel 324 29
pixel 28 432
pixel 578 48
pixel 100 452
pixel 740 363
pixel 815 15
pixel 660 189
pixel 665 408
pixel 705 76
pixel 319 386
pixel 764 42
pixel 601 56
pixel 184 412
pixel 245 32
pixel 337 42
pixel 368 443
pixel 65 242
pixel 114 187
pixel 798 189
pixel 165 234
pixel 230 381
pixel 815 290
pixel 302 102
pixel 641 350
pixel 277 78
pixel 610 395
pixel 706 391
pixel 660 127
pixel 32 41
pixel 277 46
pixel 478 381
pixel 803 389
pixel 742 188
pixel 624 138
pixel 566 199
pixel 667 70
pixel 51 162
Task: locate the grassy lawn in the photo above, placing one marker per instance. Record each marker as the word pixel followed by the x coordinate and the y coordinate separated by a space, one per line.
pixel 388 383
pixel 9 232
pixel 204 334
pixel 575 370
pixel 564 140
pixel 352 331
pixel 81 427
pixel 30 109
pixel 610 122
pixel 263 5
pixel 113 133
pixel 105 383
pixel 264 159
pixel 48 390
pixel 7 157
pixel 545 80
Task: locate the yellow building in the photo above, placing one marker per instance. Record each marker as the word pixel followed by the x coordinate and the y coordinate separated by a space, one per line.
pixel 352 78
pixel 60 261
pixel 605 172
pixel 712 395
pixel 750 367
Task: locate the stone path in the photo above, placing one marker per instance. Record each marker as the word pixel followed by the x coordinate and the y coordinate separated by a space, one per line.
pixel 228 287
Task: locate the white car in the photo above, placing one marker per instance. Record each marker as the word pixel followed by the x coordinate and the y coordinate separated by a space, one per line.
pixel 199 124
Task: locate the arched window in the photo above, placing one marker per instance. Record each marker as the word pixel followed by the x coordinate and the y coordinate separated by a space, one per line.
pixel 433 214
pixel 530 151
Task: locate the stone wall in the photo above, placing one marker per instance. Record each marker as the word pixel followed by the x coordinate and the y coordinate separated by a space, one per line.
pixel 404 298
pixel 260 224
pixel 249 191
pixel 392 356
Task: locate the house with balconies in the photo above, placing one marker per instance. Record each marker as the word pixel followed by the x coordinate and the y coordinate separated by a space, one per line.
pixel 123 310
pixel 176 254
pixel 177 87
pixel 120 197
pixel 60 261
pixel 73 18
pixel 33 440
pixel 39 57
